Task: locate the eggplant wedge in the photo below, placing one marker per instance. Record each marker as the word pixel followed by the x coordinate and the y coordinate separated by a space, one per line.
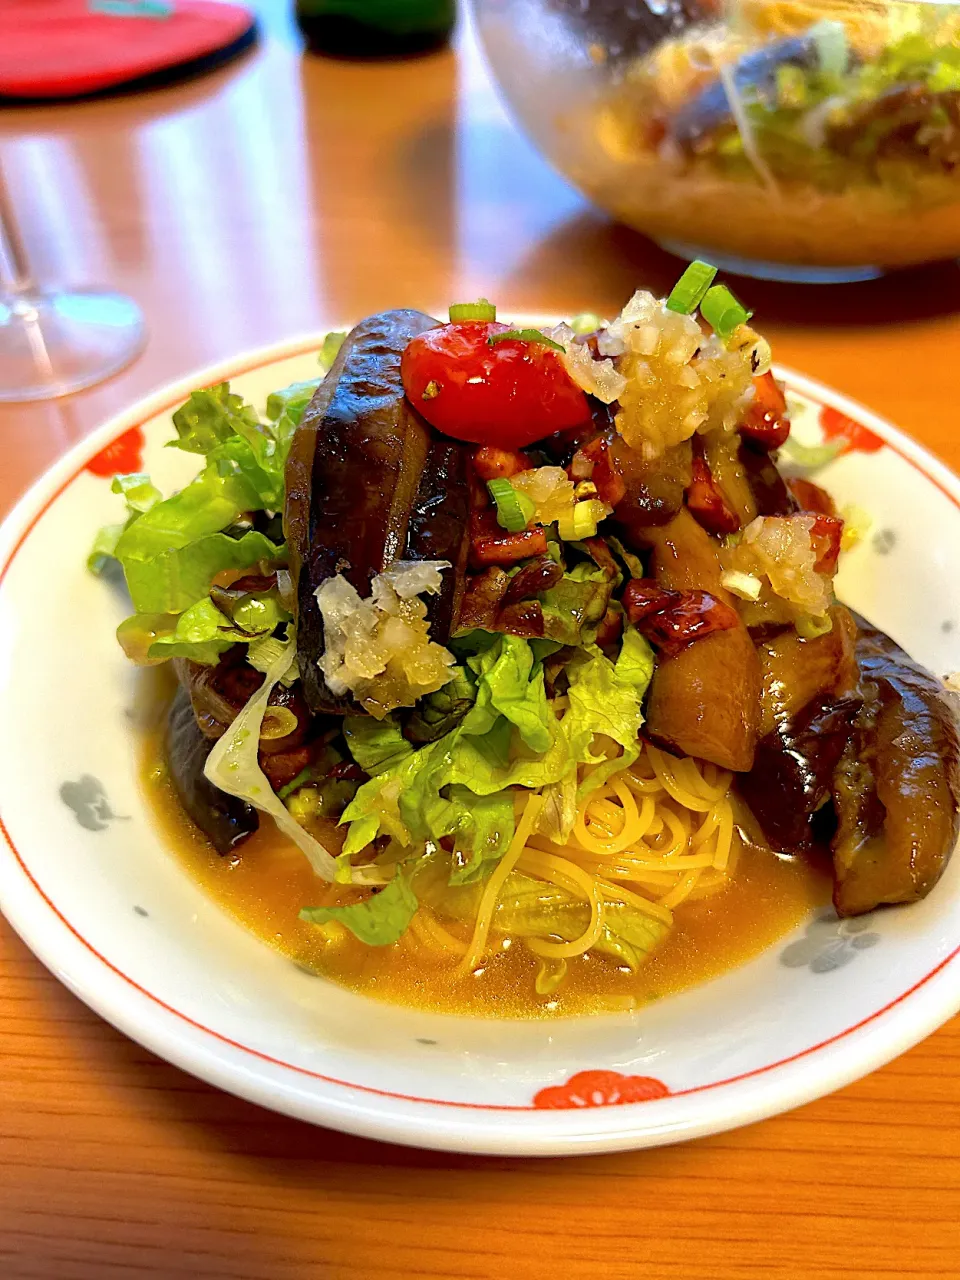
pixel 352 479
pixel 439 529
pixel 223 819
pixel 897 788
pixel 705 700
pixel 807 709
pixel 792 774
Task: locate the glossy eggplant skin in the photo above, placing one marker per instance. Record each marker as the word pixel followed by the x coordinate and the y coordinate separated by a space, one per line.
pixel 793 770
pixel 795 671
pixel 224 820
pixel 439 528
pixel 352 478
pixel 897 787
pixel 807 709
pixel 704 701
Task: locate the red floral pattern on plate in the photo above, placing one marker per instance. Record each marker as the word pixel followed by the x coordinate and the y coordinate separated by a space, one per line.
pixel 837 426
pixel 600 1089
pixel 122 455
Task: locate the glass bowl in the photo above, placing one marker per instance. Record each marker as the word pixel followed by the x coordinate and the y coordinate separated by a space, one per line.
pixel 790 139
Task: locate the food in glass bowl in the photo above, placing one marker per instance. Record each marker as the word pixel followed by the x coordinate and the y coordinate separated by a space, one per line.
pixel 791 134
pixel 511 678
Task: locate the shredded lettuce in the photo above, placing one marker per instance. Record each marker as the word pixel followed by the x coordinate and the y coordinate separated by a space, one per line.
pixel 510 682
pixel 377 745
pixel 380 920
pixel 528 908
pixel 203 632
pixel 171 549
pixel 233 766
pixel 605 700
pixel 175 579
pixel 508 738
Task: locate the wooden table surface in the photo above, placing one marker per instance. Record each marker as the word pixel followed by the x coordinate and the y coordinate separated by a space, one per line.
pixel 283 194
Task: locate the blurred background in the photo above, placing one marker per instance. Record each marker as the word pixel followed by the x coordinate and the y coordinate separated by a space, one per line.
pixel 288 192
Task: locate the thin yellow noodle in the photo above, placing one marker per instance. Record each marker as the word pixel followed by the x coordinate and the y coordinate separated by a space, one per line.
pixel 724 838
pixel 422 933
pixel 618 894
pixel 665 773
pixel 552 868
pixel 706 828
pixel 491 892
pixel 437 934
pixel 683 890
pixel 629 819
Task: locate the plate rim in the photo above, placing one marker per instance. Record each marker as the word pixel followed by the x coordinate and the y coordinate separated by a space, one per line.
pixel 201 1051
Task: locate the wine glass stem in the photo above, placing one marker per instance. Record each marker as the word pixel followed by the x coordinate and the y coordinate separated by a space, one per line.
pixel 17 276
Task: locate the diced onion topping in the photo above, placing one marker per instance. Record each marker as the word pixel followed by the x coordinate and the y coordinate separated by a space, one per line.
pixel 479 310
pixel 514 510
pixel 722 311
pixel 688 292
pixel 744 585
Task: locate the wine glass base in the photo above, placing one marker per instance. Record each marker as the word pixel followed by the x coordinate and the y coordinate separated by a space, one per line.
pixel 52 343
pixel 785 272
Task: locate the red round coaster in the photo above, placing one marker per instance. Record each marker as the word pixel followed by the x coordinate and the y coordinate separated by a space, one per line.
pixel 66 48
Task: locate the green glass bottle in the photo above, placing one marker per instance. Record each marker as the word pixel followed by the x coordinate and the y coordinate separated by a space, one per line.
pixel 375 28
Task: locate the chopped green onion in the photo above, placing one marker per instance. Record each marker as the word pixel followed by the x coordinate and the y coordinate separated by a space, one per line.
pixel 514 509
pixel 582 521
pixel 525 335
pixel 479 310
pixel 833 51
pixel 723 312
pixel 585 323
pixel 811 628
pixel 810 456
pixel 687 294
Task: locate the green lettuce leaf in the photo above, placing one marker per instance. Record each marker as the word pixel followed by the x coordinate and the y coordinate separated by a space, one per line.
pixel 377 745
pixel 104 549
pixel 330 349
pixel 380 920
pixel 211 417
pixel 511 683
pixel 528 908
pixel 636 662
pixel 173 580
pixel 606 698
pixel 202 632
pixel 508 738
pixel 481 827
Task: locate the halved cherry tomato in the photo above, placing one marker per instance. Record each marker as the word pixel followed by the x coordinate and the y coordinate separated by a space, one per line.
pixel 507 395
pixel 766 422
pixel 706 500
pixel 826 536
pixel 494 464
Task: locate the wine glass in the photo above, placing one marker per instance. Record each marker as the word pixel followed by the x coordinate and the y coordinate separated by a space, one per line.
pixel 56 341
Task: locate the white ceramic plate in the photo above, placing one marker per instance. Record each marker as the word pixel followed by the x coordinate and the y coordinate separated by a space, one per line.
pixel 86 881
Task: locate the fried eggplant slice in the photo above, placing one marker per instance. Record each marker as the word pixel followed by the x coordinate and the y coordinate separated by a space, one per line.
pixel 223 819
pixel 705 700
pixel 352 479
pixel 439 529
pixel 795 671
pixel 897 787
pixel 792 774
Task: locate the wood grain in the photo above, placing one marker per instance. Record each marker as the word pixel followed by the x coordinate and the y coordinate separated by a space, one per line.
pixel 281 195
